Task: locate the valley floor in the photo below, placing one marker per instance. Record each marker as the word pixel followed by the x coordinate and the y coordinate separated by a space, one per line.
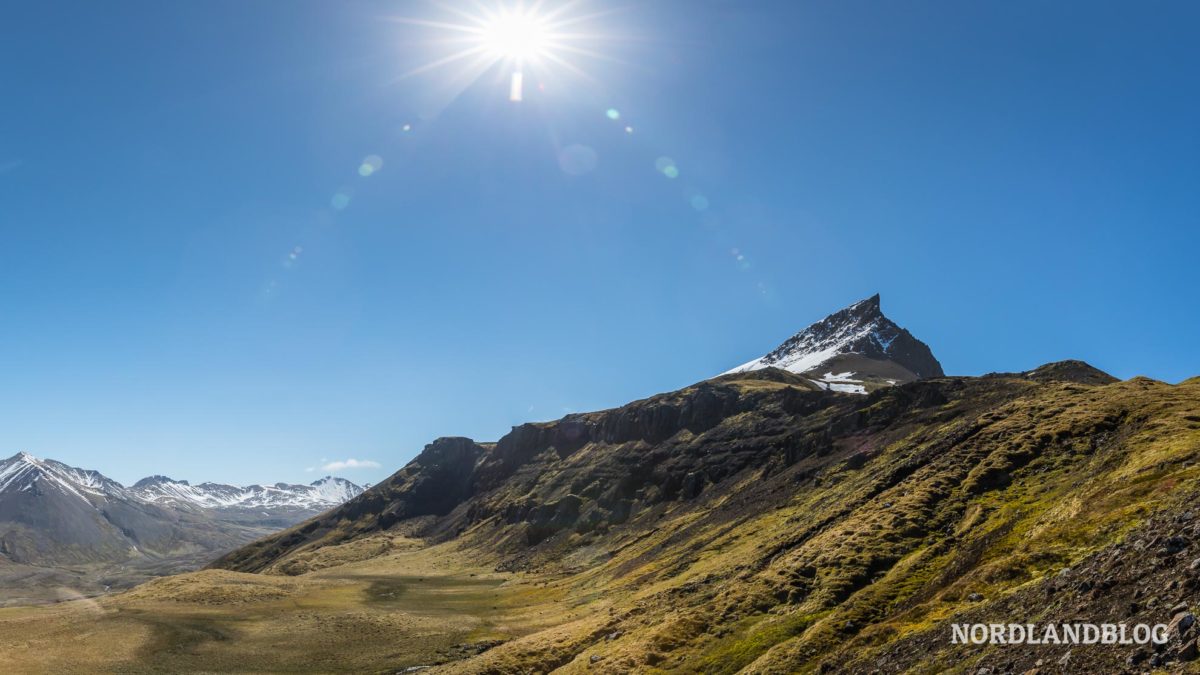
pixel 411 609
pixel 23 585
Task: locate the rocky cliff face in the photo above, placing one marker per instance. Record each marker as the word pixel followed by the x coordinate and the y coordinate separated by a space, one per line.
pixel 531 478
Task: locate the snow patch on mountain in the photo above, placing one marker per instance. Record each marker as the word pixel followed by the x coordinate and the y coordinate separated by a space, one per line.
pixel 843 382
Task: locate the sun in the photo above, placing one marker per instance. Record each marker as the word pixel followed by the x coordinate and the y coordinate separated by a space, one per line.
pixel 536 39
pixel 517 36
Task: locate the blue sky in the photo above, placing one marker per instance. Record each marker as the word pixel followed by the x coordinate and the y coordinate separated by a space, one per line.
pixel 1018 180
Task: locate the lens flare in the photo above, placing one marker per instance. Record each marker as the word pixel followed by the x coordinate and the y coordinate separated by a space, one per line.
pixel 666 166
pixel 370 164
pixel 516 88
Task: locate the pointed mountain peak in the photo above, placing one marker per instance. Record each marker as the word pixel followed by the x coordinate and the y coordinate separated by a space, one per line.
pixel 22 470
pixel 850 349
pixel 22 459
pixel 859 312
pixel 868 306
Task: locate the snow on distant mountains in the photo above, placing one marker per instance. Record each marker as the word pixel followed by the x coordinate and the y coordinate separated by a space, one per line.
pixel 25 472
pixel 55 514
pixel 324 493
pixel 852 350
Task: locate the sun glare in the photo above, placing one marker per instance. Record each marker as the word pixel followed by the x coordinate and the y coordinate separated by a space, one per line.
pixel 517 36
pixel 528 41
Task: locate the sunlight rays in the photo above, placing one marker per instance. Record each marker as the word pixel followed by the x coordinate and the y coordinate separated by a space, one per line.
pixel 523 40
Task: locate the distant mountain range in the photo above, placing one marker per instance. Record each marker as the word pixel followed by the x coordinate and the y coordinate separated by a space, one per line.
pixel 319 494
pixel 55 514
pixel 853 350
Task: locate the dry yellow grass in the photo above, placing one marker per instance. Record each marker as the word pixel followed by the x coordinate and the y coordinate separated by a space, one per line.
pixel 408 608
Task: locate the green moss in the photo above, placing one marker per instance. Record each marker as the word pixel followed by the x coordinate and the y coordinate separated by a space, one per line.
pixel 750 638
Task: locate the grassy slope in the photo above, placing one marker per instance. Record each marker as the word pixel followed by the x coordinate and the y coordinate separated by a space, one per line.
pixel 1000 500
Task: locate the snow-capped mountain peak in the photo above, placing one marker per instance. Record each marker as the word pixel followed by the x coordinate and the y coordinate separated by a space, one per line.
pixel 336 490
pixel 24 472
pixel 852 349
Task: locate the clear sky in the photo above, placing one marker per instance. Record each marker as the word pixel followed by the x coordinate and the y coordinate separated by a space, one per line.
pixel 196 279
